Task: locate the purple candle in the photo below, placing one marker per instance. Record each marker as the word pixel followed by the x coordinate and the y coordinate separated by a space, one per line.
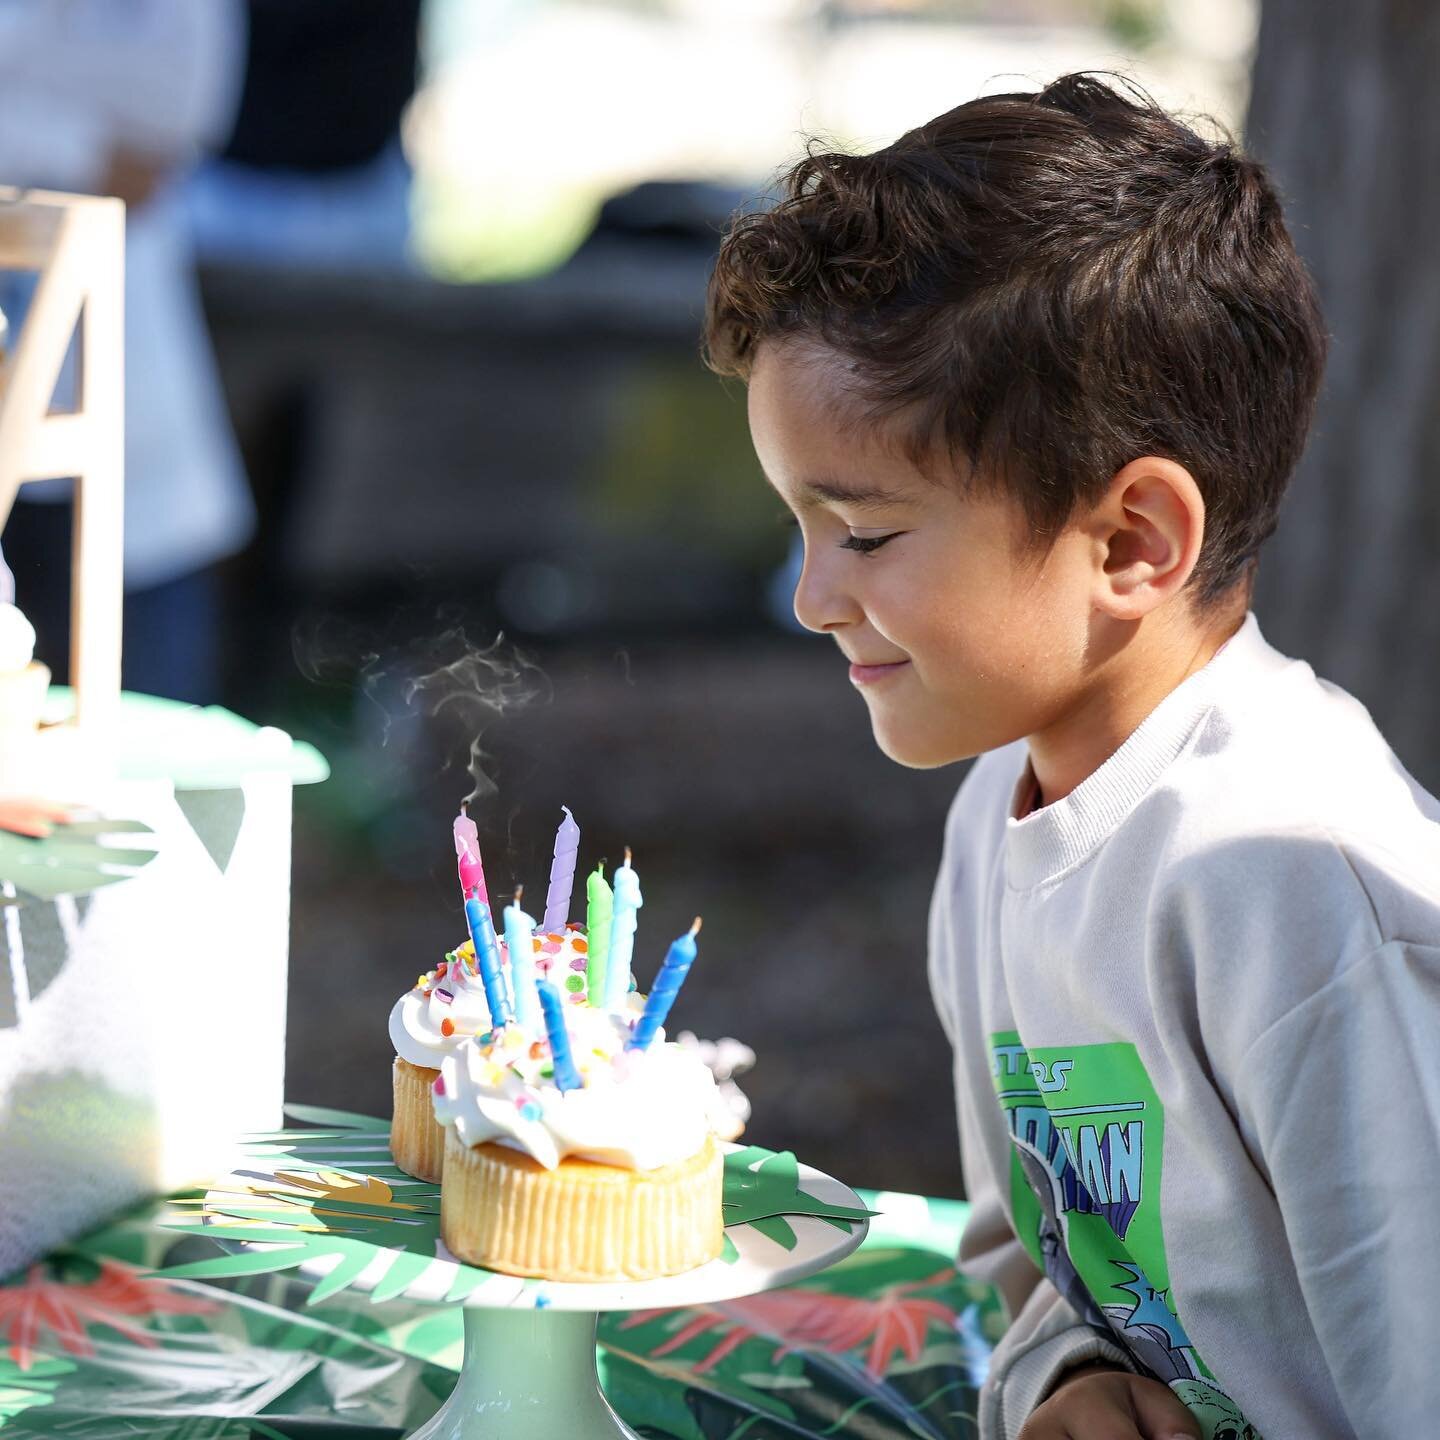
pixel 562 874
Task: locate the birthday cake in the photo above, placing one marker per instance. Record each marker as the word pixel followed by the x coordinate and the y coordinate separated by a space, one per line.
pixel 573 1141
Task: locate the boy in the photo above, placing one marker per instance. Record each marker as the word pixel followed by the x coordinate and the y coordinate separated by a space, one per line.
pixel 1033 379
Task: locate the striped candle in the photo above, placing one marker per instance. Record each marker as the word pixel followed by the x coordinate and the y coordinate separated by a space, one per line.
pixel 562 874
pixel 487 960
pixel 628 901
pixel 598 909
pixel 467 856
pixel 678 960
pixel 567 1076
pixel 519 941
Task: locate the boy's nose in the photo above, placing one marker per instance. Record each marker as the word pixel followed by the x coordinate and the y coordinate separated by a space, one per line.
pixel 822 605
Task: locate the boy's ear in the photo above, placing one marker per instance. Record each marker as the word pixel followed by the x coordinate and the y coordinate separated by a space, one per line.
pixel 1147 532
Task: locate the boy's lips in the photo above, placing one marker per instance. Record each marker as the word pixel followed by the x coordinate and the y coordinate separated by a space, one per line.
pixel 873 674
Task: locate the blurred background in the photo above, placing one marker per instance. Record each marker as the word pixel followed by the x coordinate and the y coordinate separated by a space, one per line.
pixel 424 467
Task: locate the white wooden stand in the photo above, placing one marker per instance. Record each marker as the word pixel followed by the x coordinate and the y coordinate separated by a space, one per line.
pixel 77 246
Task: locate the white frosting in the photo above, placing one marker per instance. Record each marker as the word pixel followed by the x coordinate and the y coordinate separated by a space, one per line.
pixel 17 639
pixel 638 1109
pixel 418 1016
pixel 725 1059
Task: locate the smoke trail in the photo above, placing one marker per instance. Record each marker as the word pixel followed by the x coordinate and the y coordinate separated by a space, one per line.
pixel 462 687
pixel 473 689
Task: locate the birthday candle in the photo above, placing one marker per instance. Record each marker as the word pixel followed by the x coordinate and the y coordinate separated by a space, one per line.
pixel 467 856
pixel 487 960
pixel 567 1077
pixel 519 929
pixel 678 960
pixel 622 934
pixel 598 908
pixel 562 873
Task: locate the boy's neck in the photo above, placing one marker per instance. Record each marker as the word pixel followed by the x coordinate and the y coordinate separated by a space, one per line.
pixel 1127 687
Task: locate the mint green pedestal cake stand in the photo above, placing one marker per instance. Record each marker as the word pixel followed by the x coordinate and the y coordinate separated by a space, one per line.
pixel 332 1203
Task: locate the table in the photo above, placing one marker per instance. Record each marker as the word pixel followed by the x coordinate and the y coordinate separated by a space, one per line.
pixel 891 1342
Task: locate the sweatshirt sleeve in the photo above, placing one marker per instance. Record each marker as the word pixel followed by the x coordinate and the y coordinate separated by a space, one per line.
pixel 1343 1097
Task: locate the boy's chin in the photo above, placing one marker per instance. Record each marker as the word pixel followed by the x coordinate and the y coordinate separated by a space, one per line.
pixel 913 747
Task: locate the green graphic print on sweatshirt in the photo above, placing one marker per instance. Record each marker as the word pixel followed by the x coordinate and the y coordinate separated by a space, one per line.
pixel 1088 1134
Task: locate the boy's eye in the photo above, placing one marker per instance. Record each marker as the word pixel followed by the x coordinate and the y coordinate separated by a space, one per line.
pixel 867 544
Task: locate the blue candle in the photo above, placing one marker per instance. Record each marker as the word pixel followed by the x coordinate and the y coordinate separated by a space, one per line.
pixel 622 934
pixel 487 960
pixel 678 960
pixel 519 941
pixel 567 1077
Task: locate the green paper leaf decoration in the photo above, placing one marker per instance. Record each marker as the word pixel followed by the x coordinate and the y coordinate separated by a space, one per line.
pixel 330 1198
pixel 776 1228
pixel 762 1183
pixel 34 1385
pixel 346 1272
pixel 244 1262
pixel 72 860
pixel 339 1120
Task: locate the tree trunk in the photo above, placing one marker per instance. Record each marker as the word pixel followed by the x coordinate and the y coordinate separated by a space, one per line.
pixel 1346 112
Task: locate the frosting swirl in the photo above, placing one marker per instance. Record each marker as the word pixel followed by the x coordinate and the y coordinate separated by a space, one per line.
pixel 638 1109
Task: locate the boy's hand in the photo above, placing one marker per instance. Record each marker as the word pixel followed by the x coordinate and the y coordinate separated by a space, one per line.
pixel 1098 1402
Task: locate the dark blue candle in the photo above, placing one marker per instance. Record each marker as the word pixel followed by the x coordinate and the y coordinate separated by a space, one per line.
pixel 678 961
pixel 567 1077
pixel 487 960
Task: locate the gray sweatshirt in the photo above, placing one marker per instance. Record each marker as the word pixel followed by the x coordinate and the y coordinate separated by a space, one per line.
pixel 1195 1006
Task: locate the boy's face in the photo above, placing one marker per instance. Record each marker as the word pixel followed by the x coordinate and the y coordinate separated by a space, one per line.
pixel 959 639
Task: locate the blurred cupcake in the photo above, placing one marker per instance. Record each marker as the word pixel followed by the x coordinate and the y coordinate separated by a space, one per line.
pixel 445 1008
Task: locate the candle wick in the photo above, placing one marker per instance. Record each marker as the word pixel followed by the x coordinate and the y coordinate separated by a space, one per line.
pixel 465 808
pixel 627 856
pixel 695 928
pixel 519 891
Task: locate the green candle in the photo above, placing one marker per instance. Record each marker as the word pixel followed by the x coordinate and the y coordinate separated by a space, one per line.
pixel 599 904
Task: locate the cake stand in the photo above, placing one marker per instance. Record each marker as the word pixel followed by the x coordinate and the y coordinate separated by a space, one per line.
pixel 529 1368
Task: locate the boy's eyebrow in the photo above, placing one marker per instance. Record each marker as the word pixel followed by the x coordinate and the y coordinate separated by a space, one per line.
pixel 864 497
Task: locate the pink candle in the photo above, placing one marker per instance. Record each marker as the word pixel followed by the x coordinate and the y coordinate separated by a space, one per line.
pixel 467 854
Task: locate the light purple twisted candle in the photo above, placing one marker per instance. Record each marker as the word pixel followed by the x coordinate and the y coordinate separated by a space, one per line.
pixel 562 873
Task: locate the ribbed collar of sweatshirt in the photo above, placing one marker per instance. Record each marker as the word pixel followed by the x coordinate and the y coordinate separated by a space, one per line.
pixel 1047 842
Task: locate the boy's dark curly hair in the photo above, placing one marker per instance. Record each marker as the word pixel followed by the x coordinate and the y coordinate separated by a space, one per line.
pixel 1045 287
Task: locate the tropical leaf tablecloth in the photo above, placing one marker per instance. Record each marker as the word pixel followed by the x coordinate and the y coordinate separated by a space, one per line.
pixel 94 1344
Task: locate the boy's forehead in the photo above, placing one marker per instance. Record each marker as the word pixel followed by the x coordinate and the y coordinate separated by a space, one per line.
pixel 812 434
pixel 808 380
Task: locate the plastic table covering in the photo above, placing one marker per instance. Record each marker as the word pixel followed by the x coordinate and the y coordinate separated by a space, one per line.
pixel 891 1342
